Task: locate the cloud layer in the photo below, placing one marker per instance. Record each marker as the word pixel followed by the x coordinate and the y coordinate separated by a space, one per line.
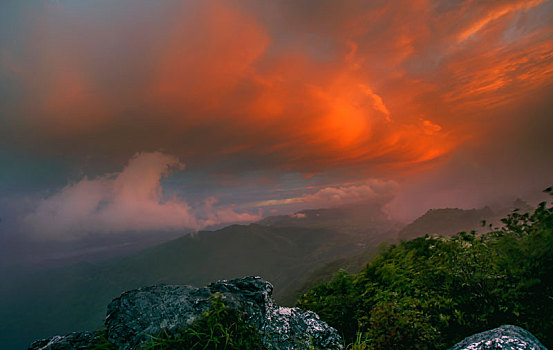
pixel 376 191
pixel 444 95
pixel 126 201
pixel 379 86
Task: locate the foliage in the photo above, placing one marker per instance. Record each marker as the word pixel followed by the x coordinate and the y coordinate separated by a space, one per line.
pixel 101 341
pixel 360 343
pixel 220 327
pixel 431 292
pixel 335 303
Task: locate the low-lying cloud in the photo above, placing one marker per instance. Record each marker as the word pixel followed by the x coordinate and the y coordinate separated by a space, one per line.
pixel 374 190
pixel 128 200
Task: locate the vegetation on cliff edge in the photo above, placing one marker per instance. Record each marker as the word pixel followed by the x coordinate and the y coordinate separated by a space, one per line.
pixel 431 292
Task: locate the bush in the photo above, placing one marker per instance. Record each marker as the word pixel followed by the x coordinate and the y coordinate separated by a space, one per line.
pixel 431 292
pixel 221 327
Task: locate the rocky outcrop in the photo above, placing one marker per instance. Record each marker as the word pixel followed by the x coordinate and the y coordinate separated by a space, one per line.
pixel 71 341
pixel 505 338
pixel 137 315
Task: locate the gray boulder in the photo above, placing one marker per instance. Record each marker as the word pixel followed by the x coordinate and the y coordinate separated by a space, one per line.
pixel 71 341
pixel 141 313
pixel 506 337
pixel 137 315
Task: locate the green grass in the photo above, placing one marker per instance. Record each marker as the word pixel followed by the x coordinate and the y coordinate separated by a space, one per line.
pixel 101 341
pixel 220 327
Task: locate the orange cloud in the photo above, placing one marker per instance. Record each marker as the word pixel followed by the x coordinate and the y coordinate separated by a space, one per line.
pixel 497 10
pixel 371 88
pixel 500 75
pixel 211 47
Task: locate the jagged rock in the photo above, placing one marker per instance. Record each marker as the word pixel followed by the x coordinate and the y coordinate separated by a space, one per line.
pixel 506 337
pixel 137 315
pixel 141 313
pixel 72 341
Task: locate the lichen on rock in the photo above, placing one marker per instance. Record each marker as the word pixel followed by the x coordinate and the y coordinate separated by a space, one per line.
pixel 71 341
pixel 506 337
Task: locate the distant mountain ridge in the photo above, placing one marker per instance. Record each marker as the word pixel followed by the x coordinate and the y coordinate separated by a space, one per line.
pixel 364 217
pixel 450 221
pixel 446 222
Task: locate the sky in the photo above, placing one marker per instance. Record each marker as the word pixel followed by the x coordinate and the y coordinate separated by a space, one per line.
pixel 139 115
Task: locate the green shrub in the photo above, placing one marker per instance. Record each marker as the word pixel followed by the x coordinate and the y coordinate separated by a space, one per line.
pixel 101 341
pixel 431 292
pixel 220 327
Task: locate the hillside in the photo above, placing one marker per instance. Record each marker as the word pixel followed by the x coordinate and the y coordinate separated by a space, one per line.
pixel 449 221
pixel 432 291
pixel 360 218
pixel 446 222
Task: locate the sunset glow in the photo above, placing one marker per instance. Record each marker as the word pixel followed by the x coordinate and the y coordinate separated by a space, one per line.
pixel 255 93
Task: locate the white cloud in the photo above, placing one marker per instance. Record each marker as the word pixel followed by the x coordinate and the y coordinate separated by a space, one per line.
pixel 128 200
pixel 373 189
